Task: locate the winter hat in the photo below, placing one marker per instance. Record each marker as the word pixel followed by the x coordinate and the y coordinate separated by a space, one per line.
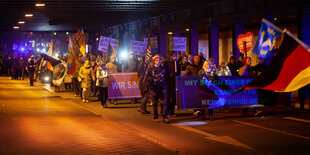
pixel 156 57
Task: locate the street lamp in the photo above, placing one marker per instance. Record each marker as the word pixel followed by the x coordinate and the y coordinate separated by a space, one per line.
pixel 39 4
pixel 28 15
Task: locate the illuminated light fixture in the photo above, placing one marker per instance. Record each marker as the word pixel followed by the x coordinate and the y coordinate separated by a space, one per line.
pixel 124 54
pixel 67 33
pixel 187 30
pixel 15 27
pixel 28 15
pixel 21 22
pixel 55 33
pixel 97 38
pixel 275 19
pixel 43 50
pixel 170 33
pixel 39 4
pixel 38 50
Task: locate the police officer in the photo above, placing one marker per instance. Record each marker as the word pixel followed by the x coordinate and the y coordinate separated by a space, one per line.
pixel 31 65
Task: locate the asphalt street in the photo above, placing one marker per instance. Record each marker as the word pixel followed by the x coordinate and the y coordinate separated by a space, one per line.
pixel 37 120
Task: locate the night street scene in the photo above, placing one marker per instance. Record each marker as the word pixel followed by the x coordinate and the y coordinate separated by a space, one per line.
pixel 158 77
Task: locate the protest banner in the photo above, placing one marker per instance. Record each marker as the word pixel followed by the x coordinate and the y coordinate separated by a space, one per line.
pixel 177 44
pixel 196 92
pixel 104 43
pixel 138 47
pixel 123 85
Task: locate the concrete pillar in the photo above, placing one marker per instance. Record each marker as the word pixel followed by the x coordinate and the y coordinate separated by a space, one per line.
pixel 238 29
pixel 162 40
pixel 139 32
pixel 214 40
pixel 177 30
pixel 305 24
pixel 194 38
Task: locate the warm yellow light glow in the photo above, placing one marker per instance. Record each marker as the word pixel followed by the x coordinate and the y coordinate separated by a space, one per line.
pixel 21 22
pixel 187 30
pixel 40 4
pixel 15 27
pixel 28 15
pixel 170 33
pixel 67 33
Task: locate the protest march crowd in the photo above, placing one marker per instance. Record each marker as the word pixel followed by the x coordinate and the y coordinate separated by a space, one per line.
pixel 88 75
pixel 160 83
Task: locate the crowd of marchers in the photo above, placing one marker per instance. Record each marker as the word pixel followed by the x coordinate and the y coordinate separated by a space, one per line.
pixel 92 75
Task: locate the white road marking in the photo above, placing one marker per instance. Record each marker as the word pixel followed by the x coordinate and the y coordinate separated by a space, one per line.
pixel 297 119
pixel 274 130
pixel 222 139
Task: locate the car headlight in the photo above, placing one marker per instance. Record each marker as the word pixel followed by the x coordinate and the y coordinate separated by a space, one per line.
pixel 46 78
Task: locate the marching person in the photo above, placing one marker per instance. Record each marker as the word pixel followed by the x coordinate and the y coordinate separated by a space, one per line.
pixel 223 69
pixel 207 71
pixel 145 94
pixel 21 67
pixel 248 70
pixel 157 75
pixel 173 70
pixel 102 83
pixel 87 75
pixel 31 65
pixel 131 65
pixel 233 67
pixel 113 67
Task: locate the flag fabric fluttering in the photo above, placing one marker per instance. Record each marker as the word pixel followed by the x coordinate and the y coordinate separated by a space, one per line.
pixel 288 70
pixel 111 51
pixel 79 42
pixel 264 47
pixel 143 67
pixel 72 56
pixel 52 53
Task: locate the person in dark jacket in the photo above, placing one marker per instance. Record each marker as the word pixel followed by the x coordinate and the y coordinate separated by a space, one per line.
pixel 158 75
pixel 131 65
pixel 14 68
pixel 31 65
pixel 145 94
pixel 173 70
pixel 233 67
pixel 184 63
pixel 193 69
pixel 20 68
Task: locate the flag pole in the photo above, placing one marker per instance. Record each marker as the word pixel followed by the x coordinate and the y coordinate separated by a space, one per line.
pixel 298 40
pixel 271 24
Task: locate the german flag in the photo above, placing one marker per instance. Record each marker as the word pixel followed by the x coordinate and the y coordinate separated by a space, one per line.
pixel 288 70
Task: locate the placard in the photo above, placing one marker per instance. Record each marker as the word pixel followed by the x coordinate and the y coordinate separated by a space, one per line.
pixel 137 46
pixel 177 44
pixel 104 43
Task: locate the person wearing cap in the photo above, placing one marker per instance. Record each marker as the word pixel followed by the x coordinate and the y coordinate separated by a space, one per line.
pixel 87 75
pixel 157 76
pixel 31 65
